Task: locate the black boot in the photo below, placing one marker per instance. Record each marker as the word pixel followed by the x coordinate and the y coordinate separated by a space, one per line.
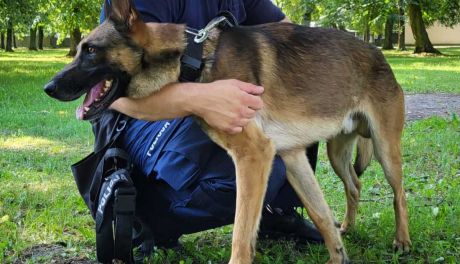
pixel 277 223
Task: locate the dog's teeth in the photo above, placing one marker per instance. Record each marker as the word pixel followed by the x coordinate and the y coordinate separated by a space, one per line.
pixel 108 83
pixel 106 88
pixel 86 109
pixel 101 94
pixel 97 99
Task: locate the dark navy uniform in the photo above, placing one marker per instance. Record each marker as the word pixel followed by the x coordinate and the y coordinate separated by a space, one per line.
pixel 193 178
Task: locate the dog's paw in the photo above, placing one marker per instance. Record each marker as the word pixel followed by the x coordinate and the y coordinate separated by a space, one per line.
pixel 343 261
pixel 401 246
pixel 339 258
pixel 343 230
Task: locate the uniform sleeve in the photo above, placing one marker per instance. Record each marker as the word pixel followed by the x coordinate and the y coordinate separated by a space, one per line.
pixel 155 11
pixel 151 11
pixel 261 11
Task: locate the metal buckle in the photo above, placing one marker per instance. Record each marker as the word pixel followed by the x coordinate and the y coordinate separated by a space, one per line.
pixel 203 34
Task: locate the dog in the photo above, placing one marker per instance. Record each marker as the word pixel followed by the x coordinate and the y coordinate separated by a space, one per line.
pixel 320 85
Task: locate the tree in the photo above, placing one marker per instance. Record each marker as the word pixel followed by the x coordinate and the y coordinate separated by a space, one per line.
pixel 33 38
pixel 9 36
pixel 422 41
pixel 423 13
pixel 74 18
pixel 2 41
pixel 15 14
pixel 371 17
pixel 298 11
pixel 388 40
pixel 401 25
pixel 40 37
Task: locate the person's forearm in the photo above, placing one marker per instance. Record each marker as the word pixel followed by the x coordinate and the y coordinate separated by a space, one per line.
pixel 227 105
pixel 174 100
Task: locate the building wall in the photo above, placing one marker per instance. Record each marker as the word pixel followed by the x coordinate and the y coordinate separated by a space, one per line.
pixel 439 35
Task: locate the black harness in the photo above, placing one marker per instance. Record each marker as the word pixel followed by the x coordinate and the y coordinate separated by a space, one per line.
pixel 192 60
pixel 104 177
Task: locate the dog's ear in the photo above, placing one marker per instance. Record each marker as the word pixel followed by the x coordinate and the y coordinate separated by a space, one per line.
pixel 123 13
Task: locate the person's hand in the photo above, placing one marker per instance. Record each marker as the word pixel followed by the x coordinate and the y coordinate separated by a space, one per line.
pixel 228 105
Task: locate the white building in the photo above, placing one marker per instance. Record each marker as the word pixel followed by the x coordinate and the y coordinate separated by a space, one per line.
pixel 439 35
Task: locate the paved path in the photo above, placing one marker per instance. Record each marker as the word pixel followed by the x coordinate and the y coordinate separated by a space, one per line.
pixel 419 106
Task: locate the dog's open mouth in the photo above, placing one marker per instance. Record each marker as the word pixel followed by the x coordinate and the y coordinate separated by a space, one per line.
pixel 97 99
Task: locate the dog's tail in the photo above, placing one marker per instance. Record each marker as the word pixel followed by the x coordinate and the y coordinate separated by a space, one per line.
pixel 363 155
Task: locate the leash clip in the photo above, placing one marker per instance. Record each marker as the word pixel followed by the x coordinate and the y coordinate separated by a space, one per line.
pixel 203 34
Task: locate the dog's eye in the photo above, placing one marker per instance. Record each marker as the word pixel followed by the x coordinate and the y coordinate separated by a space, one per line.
pixel 91 50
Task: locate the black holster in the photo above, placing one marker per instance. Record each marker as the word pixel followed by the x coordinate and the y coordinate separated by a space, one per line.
pixel 104 181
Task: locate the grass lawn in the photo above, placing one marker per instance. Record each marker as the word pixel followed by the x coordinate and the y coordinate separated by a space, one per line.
pixel 427 74
pixel 39 203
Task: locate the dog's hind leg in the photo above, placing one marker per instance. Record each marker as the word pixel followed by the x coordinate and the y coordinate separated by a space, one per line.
pixel 252 153
pixel 302 179
pixel 340 151
pixel 386 136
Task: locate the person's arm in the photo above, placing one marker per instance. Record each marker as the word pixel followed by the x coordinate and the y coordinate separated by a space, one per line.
pixel 227 105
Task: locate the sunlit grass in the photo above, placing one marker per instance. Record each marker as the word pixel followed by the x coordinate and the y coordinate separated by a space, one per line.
pixel 422 74
pixel 27 142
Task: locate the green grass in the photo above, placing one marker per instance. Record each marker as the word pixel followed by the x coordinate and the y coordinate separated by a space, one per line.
pixel 39 202
pixel 418 74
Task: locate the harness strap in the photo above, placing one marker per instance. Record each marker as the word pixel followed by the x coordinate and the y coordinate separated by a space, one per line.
pixel 191 60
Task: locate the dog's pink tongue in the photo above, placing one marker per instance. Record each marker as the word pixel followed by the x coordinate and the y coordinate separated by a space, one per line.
pixel 89 99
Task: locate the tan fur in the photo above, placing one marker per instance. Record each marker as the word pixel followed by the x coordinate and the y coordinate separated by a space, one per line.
pixel 319 85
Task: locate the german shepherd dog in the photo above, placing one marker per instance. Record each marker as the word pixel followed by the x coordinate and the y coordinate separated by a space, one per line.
pixel 320 85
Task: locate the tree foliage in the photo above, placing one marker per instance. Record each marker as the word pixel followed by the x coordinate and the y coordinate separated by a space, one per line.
pixel 51 16
pixel 298 11
pixel 67 15
pixel 366 17
pixel 374 17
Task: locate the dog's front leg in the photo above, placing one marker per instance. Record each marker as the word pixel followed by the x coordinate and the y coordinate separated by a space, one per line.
pixel 300 175
pixel 252 153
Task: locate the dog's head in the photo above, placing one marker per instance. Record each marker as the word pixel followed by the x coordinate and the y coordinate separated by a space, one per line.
pixel 112 55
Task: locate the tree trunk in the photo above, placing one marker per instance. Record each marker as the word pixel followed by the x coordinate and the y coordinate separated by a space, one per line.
pixel 388 41
pixel 40 37
pixel 53 40
pixel 9 37
pixel 33 38
pixel 367 34
pixel 75 37
pixel 422 41
pixel 2 44
pixel 401 26
pixel 14 40
pixel 306 19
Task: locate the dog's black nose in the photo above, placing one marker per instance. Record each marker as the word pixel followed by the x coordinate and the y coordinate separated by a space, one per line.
pixel 50 88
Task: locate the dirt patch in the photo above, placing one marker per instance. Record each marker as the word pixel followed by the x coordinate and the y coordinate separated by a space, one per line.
pixel 51 253
pixel 420 106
